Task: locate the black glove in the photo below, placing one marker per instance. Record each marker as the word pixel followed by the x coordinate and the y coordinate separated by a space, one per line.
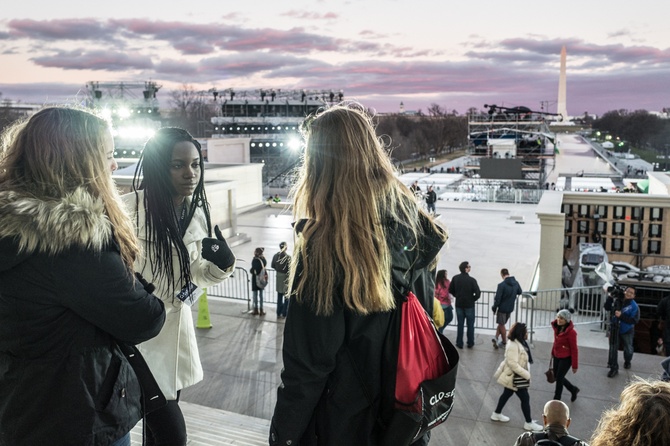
pixel 148 287
pixel 217 251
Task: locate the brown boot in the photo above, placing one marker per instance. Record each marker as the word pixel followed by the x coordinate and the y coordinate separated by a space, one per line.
pixel 255 312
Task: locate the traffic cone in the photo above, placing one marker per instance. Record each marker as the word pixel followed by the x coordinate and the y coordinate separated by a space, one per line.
pixel 203 312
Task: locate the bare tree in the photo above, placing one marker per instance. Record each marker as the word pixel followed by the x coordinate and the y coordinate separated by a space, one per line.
pixel 192 110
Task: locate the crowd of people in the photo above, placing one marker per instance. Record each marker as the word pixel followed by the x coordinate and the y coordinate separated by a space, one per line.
pixel 87 276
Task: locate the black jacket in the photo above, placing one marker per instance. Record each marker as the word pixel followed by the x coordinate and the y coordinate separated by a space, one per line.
pixel 66 298
pixel 465 289
pixel 257 265
pixel 330 362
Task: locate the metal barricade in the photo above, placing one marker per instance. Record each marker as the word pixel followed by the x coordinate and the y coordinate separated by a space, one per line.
pixel 238 286
pixel 537 309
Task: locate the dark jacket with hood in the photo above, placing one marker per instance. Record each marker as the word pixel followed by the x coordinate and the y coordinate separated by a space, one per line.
pixel 333 364
pixel 506 295
pixel 66 298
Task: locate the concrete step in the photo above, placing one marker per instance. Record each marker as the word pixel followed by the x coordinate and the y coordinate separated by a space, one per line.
pixel 238 239
pixel 215 427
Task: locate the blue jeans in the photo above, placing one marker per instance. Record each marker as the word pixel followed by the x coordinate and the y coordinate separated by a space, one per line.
pixel 123 441
pixel 256 295
pixel 448 316
pixel 463 314
pixel 627 340
pixel 282 305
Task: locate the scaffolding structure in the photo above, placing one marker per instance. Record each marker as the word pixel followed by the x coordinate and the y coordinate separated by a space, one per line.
pixel 512 133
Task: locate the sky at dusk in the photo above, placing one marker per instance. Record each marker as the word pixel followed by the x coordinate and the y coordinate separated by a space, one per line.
pixel 380 52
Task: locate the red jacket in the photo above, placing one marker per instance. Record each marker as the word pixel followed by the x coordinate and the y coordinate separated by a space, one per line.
pixel 565 343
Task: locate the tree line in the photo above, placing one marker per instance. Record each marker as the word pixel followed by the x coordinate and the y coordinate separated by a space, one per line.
pixel 640 128
pixel 417 136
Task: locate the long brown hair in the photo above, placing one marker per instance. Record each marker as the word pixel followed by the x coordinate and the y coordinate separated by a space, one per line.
pixel 348 189
pixel 641 419
pixel 58 150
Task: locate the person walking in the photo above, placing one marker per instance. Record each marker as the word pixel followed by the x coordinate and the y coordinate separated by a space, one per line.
pixel 564 353
pixel 514 368
pixel 171 213
pixel 281 262
pixel 342 281
pixel 258 264
pixel 466 291
pixel 442 295
pixel 503 305
pixel 556 416
pixel 69 298
pixel 625 314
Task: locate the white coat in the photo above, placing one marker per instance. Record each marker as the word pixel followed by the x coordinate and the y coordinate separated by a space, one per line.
pixel 173 355
pixel 516 361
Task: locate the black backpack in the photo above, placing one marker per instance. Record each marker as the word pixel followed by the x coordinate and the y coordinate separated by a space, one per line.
pixel 542 440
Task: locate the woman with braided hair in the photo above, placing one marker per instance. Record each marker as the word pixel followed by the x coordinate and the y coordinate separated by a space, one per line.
pixel 170 209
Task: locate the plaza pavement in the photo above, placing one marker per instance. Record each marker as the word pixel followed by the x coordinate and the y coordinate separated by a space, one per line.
pixel 241 354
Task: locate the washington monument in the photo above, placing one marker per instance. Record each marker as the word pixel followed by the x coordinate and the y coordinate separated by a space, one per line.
pixel 562 106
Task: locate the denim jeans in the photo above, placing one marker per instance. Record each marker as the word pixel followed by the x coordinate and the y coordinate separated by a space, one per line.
pixel 282 305
pixel 256 295
pixel 123 441
pixel 627 340
pixel 448 316
pixel 463 314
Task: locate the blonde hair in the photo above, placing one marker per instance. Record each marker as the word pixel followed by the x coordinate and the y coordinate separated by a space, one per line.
pixel 58 150
pixel 641 419
pixel 348 190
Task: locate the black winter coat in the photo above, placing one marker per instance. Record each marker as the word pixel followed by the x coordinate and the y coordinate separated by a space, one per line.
pixel 465 289
pixel 330 362
pixel 66 298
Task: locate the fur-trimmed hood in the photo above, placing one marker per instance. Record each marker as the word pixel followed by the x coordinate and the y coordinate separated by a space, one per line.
pixel 31 225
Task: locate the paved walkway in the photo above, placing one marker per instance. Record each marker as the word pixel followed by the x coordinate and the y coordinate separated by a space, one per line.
pixel 241 356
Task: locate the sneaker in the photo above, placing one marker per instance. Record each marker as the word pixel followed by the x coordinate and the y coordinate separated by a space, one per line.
pixel 262 313
pixel 254 313
pixel 499 417
pixel 612 373
pixel 626 365
pixel 502 345
pixel 495 343
pixel 532 426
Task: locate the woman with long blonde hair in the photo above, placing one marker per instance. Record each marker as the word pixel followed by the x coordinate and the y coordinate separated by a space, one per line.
pixel 359 234
pixel 68 295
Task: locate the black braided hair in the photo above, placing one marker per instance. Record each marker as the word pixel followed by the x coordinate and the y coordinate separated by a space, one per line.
pixel 162 229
